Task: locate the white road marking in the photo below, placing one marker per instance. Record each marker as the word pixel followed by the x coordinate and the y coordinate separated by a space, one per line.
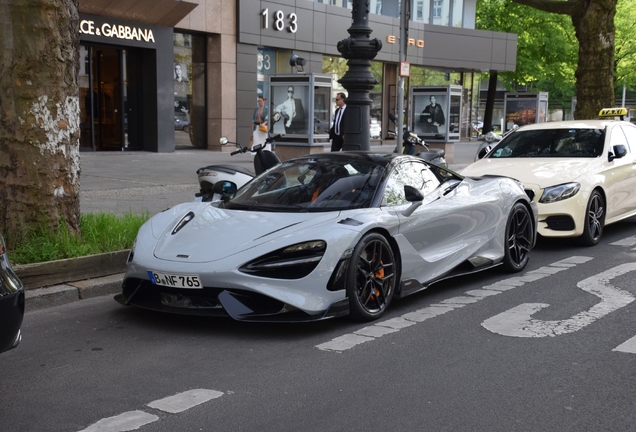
pixel 186 400
pixel 628 346
pixel 342 343
pixel 518 321
pixel 370 333
pixel 375 331
pixel 133 420
pixel 629 242
pixel 128 421
pixel 396 323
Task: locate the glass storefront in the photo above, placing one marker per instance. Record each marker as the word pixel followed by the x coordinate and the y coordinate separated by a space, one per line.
pixel 190 114
pixel 110 98
pixel 463 116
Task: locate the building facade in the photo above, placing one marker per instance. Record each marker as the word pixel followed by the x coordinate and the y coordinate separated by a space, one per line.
pixel 160 75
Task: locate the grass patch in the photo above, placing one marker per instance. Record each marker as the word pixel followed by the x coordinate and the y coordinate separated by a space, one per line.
pixel 101 232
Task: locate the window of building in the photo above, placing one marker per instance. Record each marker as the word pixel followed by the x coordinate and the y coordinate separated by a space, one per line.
pixel 437 8
pixel 190 112
pixel 439 12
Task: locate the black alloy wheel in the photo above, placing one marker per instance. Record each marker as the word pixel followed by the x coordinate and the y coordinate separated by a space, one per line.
pixel 594 220
pixel 519 238
pixel 371 278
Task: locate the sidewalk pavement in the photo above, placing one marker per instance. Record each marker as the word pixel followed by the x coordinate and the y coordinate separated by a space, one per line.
pixel 122 182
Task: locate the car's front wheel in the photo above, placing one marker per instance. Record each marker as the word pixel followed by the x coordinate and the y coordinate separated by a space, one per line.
pixel 519 238
pixel 594 220
pixel 371 278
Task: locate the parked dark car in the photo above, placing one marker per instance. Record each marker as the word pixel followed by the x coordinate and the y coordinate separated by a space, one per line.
pixel 11 303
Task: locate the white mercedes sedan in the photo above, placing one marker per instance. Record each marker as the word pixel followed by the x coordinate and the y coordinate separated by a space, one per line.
pixel 581 174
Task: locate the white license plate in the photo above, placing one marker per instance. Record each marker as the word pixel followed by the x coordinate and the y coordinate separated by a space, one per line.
pixel 175 280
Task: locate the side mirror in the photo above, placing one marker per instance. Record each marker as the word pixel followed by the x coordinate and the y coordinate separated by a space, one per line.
pixel 413 196
pixel 619 151
pixel 483 152
pixel 223 140
pixel 224 188
pixel 276 117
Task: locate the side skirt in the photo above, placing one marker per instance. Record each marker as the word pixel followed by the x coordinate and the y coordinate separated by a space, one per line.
pixel 411 286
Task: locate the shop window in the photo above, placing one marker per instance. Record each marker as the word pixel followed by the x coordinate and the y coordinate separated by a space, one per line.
pixel 189 72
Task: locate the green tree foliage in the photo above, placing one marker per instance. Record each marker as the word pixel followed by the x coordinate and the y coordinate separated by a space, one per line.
pixel 625 45
pixel 546 47
pixel 593 22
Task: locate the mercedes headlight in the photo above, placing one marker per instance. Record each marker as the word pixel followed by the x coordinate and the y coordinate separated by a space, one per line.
pixel 559 192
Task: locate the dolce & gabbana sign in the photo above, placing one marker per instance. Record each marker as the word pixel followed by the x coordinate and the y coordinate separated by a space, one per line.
pixel 118 31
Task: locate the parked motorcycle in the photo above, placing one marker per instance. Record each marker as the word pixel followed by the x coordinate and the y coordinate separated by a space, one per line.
pixel 489 141
pixel 218 180
pixel 410 143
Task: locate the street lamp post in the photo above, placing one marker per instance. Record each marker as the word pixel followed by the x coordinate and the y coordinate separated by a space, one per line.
pixel 359 49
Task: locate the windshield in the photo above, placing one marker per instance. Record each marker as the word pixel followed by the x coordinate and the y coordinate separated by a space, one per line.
pixel 312 184
pixel 584 143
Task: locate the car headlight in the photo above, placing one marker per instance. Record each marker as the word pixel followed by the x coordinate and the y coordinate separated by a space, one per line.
pixel 559 192
pixel 292 262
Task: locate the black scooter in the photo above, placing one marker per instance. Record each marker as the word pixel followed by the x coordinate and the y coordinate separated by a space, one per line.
pixel 410 143
pixel 218 180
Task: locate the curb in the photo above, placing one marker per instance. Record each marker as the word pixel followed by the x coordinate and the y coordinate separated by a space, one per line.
pixel 59 282
pixel 56 295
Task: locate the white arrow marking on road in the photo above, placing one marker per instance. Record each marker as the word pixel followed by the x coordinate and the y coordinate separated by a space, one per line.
pixel 628 346
pixel 382 328
pixel 518 321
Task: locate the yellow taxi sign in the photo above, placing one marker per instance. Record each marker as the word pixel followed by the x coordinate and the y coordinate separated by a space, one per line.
pixel 612 112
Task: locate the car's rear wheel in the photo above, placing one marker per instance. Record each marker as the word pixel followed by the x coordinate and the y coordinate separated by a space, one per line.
pixel 594 220
pixel 519 238
pixel 371 278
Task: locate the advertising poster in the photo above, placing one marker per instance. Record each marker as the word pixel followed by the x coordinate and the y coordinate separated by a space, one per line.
pixel 292 101
pixel 520 112
pixel 429 116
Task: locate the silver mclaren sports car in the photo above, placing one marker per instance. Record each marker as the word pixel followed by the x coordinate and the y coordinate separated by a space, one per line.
pixel 326 235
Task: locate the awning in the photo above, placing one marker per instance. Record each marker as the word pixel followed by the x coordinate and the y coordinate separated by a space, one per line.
pixel 159 12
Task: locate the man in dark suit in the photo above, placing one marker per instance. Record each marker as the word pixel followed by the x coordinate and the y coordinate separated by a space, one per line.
pixel 336 133
pixel 432 117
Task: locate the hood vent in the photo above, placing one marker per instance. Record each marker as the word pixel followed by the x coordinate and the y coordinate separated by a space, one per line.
pixel 183 222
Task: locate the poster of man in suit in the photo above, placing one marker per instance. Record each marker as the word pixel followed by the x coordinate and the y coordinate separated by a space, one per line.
pixel 429 116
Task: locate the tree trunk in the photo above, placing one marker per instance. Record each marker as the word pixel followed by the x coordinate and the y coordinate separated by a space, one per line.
pixel 594 24
pixel 39 115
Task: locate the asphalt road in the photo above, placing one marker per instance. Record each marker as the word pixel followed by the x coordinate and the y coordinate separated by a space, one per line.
pixel 463 355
